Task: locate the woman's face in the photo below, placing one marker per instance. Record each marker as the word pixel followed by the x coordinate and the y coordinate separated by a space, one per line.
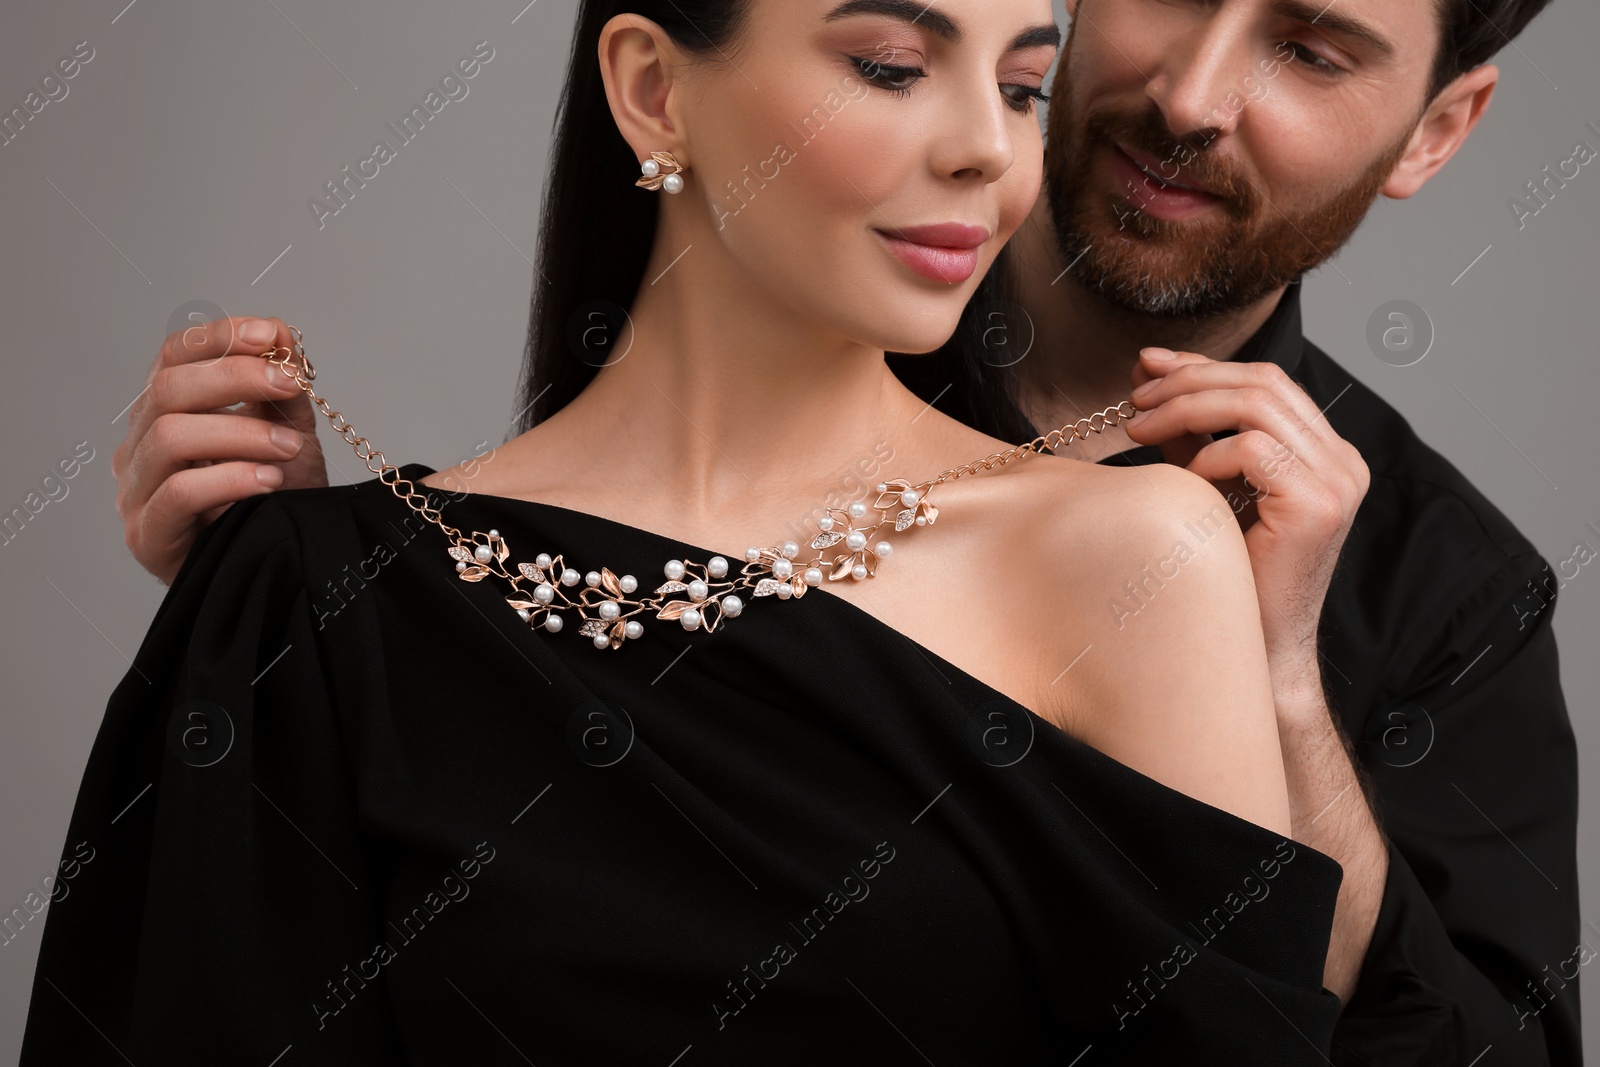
pixel 864 161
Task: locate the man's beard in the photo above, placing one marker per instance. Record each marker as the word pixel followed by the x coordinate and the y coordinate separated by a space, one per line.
pixel 1198 267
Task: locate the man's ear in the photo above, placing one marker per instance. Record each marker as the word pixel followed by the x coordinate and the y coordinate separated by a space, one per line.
pixel 637 63
pixel 1442 130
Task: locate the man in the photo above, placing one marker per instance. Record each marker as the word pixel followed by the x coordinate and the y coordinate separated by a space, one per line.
pixel 1201 158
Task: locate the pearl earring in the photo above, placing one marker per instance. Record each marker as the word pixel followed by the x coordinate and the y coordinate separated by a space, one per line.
pixel 661 171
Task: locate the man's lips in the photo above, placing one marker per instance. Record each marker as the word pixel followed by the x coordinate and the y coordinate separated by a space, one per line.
pixel 1143 182
pixel 1158 170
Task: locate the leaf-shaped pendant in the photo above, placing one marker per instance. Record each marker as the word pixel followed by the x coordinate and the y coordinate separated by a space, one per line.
pixel 674 609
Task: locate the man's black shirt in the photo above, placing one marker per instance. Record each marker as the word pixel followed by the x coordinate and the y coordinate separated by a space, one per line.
pixel 1439 661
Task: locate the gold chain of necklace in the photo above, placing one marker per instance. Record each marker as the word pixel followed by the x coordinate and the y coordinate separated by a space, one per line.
pixel 707 593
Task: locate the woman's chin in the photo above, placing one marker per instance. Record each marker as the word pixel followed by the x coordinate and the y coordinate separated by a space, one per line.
pixel 916 327
pixel 922 340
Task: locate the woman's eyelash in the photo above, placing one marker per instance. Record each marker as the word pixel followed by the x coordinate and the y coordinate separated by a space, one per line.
pixel 878 73
pixel 1029 94
pixel 882 74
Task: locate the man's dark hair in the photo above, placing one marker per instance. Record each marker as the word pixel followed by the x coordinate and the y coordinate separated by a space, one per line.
pixel 1473 31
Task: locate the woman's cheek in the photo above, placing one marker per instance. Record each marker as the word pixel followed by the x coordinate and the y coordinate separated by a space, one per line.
pixel 1025 184
pixel 860 166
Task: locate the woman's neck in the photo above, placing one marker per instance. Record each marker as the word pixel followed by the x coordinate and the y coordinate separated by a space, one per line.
pixel 725 400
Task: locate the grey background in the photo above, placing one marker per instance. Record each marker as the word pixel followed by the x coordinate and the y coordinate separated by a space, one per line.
pixel 179 166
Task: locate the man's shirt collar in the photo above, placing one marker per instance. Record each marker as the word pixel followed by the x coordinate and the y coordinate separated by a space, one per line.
pixel 1279 340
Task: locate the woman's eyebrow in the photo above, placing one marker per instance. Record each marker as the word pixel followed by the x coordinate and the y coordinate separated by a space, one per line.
pixel 914 11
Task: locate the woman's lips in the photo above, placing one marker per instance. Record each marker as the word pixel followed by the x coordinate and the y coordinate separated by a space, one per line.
pixel 940 262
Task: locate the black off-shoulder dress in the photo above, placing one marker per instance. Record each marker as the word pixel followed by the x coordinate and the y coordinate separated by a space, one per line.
pixel 348 809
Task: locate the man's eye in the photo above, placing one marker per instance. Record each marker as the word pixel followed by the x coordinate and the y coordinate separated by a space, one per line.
pixel 1314 60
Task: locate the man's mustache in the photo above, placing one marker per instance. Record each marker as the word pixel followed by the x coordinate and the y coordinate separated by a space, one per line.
pixel 1189 161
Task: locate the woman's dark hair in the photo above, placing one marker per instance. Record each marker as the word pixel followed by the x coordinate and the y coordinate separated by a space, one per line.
pixel 596 233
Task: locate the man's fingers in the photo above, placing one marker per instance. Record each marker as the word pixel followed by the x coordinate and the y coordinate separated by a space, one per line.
pixel 176 442
pixel 1327 504
pixel 1238 410
pixel 1192 374
pixel 239 335
pixel 200 387
pixel 165 527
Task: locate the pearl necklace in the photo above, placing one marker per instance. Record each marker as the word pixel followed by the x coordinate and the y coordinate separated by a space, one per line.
pixel 699 596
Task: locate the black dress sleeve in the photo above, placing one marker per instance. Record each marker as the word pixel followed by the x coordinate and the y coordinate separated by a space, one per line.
pixel 1478 941
pixel 220 895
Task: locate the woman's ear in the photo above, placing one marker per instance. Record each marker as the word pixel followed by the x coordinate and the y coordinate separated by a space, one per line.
pixel 637 63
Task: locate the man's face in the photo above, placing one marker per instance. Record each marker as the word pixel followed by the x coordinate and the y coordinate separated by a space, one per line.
pixel 1200 156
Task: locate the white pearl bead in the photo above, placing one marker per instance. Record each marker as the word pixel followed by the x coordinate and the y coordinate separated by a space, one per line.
pixel 673 184
pixel 609 610
pixel 542 559
pixel 673 569
pixel 592 579
pixel 690 619
pixel 553 624
pixel 883 487
pixel 634 629
pixel 717 566
pixel 602 640
pixel 910 497
pixel 483 553
pixel 790 549
pixel 859 571
pixel 922 520
pixel 883 548
pixel 782 568
pixel 461 565
pixel 731 605
pixel 825 523
pixel 784 591
pixel 650 168
pixel 570 577
pixel 856 541
pixel 544 592
pixel 857 510
pixel 522 613
pixel 698 590
pixel 813 576
pixel 629 583
pixel 752 554
pixel 494 533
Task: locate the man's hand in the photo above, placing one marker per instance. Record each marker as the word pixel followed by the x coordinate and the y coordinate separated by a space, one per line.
pixel 187 457
pixel 1304 485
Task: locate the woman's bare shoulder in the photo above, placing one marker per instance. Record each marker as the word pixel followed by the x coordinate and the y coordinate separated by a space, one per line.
pixel 1145 579
pixel 1090 516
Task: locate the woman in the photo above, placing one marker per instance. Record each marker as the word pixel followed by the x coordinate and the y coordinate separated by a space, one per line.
pixel 970 799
